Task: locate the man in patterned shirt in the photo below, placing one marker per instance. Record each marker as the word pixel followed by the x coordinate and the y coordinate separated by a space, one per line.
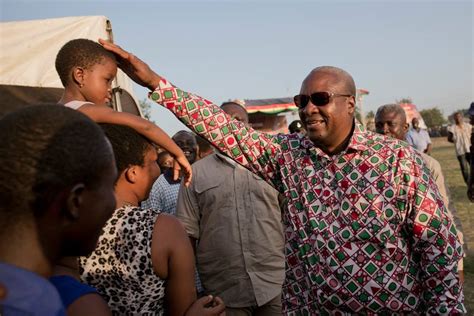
pixel 366 228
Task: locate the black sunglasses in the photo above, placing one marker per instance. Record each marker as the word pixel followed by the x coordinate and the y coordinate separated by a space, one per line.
pixel 318 98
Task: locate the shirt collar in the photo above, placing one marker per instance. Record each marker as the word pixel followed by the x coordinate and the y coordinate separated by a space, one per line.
pixel 358 141
pixel 223 158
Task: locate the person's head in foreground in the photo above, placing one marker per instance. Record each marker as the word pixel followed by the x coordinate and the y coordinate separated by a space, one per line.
pixel 57 172
pixel 326 107
pixel 391 120
pixel 86 70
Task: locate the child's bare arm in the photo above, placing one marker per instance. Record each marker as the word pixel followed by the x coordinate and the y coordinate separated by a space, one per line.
pixel 104 114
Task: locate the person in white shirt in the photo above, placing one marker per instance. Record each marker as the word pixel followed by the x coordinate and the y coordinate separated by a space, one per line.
pixel 460 135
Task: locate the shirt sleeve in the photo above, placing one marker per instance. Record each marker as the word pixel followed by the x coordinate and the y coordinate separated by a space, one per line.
pixel 435 240
pixel 254 150
pixel 187 210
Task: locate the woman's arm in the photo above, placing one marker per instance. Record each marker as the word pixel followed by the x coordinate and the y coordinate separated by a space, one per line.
pixel 173 260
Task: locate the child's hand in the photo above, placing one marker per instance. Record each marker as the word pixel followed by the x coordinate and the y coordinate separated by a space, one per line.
pixel 135 68
pixel 182 164
pixel 207 305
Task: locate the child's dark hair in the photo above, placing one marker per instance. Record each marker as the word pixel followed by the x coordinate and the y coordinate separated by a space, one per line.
pixel 79 52
pixel 46 149
pixel 129 146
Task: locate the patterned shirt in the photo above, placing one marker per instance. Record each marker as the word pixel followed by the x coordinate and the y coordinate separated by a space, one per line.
pixel 163 194
pixel 366 229
pixel 121 268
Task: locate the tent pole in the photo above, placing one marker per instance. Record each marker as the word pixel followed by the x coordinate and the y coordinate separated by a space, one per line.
pixel 116 92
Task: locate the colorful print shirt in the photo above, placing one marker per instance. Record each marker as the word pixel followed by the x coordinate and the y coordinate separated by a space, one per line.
pixel 366 230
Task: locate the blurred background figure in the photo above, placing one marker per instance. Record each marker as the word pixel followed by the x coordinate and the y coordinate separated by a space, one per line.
pixel 460 135
pixel 205 147
pixel 296 127
pixel 164 194
pixel 165 161
pixel 418 137
pixel 470 188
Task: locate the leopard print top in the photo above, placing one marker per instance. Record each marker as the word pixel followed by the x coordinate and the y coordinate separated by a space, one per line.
pixel 120 267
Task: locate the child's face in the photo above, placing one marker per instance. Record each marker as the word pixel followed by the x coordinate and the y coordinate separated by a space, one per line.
pixel 97 84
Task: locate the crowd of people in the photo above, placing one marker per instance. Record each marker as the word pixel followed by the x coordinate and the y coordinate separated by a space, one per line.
pixel 330 219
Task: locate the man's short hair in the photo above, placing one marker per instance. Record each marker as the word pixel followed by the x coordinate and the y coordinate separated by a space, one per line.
pixel 295 126
pixel 232 103
pixel 183 132
pixel 390 108
pixel 46 149
pixel 79 52
pixel 129 146
pixel 471 109
pixel 204 145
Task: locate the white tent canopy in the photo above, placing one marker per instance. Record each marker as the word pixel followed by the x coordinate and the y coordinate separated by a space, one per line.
pixel 28 51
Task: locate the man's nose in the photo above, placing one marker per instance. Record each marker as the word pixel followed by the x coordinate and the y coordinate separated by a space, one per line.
pixel 310 108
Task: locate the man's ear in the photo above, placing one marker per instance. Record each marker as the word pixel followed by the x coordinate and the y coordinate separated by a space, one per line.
pixel 75 201
pixel 405 127
pixel 131 174
pixel 78 76
pixel 351 102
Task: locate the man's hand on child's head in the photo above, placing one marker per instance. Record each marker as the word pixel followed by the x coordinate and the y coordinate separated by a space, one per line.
pixel 135 68
pixel 181 164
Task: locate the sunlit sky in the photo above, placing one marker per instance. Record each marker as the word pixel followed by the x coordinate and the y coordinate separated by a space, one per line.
pixel 263 49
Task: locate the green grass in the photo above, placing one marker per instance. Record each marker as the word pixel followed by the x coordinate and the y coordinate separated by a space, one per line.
pixel 445 154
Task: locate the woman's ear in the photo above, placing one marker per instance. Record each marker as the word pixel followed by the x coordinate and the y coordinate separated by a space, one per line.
pixel 78 76
pixel 131 174
pixel 75 201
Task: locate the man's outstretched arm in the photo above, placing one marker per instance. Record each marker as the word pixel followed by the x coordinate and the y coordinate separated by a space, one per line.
pixel 254 150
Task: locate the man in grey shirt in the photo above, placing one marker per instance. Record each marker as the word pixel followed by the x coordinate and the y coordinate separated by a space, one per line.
pixel 235 217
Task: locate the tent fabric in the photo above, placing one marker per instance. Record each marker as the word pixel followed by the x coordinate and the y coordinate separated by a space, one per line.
pixel 270 106
pixel 28 51
pixel 15 97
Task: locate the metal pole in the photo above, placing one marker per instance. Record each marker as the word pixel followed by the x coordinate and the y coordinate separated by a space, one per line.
pixel 117 104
